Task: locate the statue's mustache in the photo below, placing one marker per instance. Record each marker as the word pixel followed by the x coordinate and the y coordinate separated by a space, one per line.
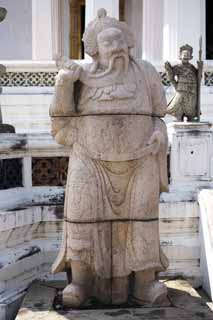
pixel 118 51
pixel 115 55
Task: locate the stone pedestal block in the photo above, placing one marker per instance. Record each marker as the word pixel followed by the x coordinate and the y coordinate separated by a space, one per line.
pixel 191 156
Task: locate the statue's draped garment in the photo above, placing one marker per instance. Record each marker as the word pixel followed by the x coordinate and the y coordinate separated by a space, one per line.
pixel 114 180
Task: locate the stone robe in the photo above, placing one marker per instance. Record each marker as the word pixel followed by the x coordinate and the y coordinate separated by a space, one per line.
pixel 114 180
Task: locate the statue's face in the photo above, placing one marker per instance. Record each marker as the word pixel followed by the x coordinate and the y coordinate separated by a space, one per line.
pixel 111 43
pixel 185 55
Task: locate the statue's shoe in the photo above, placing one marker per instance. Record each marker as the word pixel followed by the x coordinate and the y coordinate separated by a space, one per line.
pixel 74 295
pixel 154 293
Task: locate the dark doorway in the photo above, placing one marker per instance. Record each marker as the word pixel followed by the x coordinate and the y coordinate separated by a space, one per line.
pixel 209 30
pixel 77 26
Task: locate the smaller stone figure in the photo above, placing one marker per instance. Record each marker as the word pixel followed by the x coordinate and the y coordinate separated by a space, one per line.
pixel 185 78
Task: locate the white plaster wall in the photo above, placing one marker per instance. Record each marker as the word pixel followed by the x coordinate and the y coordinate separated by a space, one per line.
pixel 133 17
pixel 28 108
pixel 16 30
pixel 66 21
pixel 153 19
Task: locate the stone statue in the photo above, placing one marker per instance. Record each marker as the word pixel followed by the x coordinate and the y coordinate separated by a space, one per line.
pixel 109 113
pixel 186 80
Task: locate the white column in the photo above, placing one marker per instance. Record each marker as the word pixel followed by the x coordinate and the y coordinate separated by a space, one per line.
pixel 170 30
pixel 27 172
pixel 182 24
pixel 152 36
pixel 134 18
pixel 42 45
pixel 57 26
pixel 92 6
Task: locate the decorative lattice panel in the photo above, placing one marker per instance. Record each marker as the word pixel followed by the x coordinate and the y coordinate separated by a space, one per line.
pixel 47 79
pixel 208 78
pixel 10 173
pixel 164 79
pixel 28 79
pixel 49 171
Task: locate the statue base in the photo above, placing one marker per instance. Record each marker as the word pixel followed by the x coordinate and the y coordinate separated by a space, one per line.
pixel 42 301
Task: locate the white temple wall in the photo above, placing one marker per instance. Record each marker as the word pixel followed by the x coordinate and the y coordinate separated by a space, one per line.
pixel 16 30
pixel 183 23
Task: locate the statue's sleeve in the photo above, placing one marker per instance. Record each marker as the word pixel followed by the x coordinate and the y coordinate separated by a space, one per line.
pixel 159 106
pixel 62 109
pixel 159 125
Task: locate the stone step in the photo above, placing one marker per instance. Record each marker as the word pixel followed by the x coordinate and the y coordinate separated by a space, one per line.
pixel 186 304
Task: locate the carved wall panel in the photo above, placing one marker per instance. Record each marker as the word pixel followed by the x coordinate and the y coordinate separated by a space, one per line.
pixel 208 78
pixel 47 79
pixel 28 79
pixel 50 171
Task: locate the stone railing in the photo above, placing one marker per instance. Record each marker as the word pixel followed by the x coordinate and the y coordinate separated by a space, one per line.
pixel 30 212
pixel 31 162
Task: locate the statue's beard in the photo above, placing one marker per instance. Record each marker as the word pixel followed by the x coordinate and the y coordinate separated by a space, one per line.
pixel 118 63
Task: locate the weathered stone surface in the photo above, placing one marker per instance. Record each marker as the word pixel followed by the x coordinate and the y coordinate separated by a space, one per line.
pixel 187 304
pixel 109 113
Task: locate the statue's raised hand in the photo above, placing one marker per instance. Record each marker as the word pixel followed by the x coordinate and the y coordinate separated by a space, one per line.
pixel 69 73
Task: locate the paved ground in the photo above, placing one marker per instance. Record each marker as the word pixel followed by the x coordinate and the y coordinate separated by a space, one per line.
pixel 41 302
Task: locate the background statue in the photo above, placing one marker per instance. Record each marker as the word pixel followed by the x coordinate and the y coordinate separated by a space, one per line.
pixel 109 113
pixel 186 80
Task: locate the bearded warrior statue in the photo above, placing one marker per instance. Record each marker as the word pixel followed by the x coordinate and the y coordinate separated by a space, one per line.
pixel 109 113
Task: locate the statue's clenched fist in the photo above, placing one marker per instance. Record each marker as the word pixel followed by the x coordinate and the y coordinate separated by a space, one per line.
pixel 68 74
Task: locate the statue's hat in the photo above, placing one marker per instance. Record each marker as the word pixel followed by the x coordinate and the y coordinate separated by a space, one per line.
pixel 100 23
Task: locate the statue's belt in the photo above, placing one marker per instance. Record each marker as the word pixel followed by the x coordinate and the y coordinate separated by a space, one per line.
pixel 75 114
pixel 138 154
pixel 129 220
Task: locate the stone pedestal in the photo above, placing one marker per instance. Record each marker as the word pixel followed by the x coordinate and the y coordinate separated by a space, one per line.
pixel 40 303
pixel 191 156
